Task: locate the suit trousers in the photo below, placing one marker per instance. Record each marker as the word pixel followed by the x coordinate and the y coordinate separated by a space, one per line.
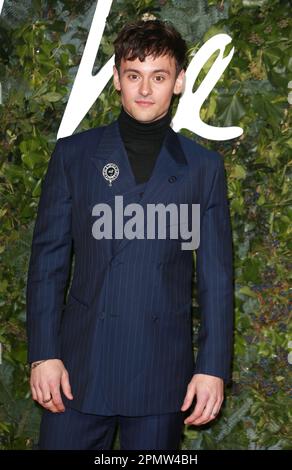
pixel 76 430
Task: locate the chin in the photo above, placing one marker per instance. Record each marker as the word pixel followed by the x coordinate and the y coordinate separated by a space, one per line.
pixel 146 115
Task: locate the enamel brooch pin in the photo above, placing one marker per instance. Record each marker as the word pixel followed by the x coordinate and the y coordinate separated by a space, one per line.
pixel 110 172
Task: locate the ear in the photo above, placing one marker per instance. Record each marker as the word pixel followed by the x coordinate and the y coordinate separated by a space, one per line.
pixel 179 83
pixel 116 78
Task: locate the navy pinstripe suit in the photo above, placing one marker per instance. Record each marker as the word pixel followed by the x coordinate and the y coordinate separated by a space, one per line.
pixel 125 333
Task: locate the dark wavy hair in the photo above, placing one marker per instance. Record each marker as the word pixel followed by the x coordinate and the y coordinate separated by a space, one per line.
pixel 140 38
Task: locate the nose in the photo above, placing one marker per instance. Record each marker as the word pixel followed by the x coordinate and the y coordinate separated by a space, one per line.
pixel 145 88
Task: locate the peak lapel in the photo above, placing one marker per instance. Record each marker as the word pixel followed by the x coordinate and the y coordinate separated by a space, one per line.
pixel 170 169
pixel 111 149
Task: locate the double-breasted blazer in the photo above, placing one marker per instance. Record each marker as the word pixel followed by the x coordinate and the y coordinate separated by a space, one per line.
pixel 125 332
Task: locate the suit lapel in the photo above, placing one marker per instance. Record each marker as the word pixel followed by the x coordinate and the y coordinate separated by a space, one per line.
pixel 169 170
pixel 111 149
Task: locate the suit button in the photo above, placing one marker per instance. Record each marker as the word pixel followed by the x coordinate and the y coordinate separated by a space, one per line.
pixel 101 315
pixel 172 179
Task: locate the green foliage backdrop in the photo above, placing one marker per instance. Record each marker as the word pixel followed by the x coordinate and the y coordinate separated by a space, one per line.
pixel 40 48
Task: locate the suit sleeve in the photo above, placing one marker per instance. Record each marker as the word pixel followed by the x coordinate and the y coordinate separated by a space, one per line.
pixel 49 262
pixel 215 282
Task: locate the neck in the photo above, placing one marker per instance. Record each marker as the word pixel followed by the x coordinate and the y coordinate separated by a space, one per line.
pixel 130 126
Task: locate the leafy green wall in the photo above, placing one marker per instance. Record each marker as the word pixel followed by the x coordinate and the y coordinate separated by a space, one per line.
pixel 41 46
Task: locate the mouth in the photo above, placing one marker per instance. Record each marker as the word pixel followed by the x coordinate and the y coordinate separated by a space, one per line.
pixel 144 103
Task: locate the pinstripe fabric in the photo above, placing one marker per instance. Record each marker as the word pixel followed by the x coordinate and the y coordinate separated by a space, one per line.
pixel 73 430
pixel 125 333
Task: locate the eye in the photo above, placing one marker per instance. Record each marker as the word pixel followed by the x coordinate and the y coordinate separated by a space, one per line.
pixel 159 78
pixel 133 76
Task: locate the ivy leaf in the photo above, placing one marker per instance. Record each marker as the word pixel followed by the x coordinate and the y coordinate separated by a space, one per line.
pixel 247 291
pixel 233 110
pixel 52 97
pixel 238 172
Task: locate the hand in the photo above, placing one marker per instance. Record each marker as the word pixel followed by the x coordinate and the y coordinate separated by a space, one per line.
pixel 45 381
pixel 210 393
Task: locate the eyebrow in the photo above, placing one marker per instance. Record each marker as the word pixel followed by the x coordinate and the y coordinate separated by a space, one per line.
pixel 154 71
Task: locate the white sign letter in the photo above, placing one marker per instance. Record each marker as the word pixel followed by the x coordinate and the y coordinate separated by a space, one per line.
pixel 188 111
pixel 87 87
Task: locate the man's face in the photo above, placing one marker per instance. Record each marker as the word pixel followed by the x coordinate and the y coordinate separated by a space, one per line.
pixel 147 87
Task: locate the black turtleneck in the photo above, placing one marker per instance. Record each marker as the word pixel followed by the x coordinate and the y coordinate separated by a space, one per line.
pixel 142 141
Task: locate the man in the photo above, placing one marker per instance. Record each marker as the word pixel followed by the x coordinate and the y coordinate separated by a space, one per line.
pixel 120 352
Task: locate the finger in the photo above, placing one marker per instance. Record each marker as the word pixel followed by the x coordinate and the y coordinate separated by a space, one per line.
pixel 217 408
pixel 207 413
pixel 199 408
pixel 57 399
pixel 188 398
pixel 39 394
pixel 44 393
pixel 49 405
pixel 213 413
pixel 66 385
pixel 33 392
